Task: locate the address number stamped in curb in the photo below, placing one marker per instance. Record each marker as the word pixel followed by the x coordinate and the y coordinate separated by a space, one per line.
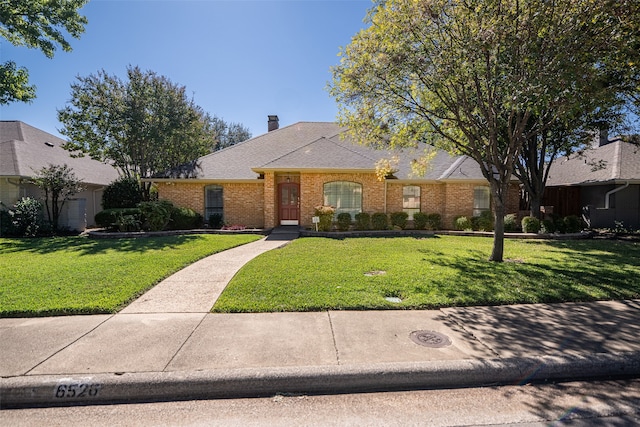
pixel 77 390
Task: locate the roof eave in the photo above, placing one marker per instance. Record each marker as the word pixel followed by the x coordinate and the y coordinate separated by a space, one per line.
pixel 255 180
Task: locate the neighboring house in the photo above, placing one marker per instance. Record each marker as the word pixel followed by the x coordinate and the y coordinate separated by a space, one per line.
pixel 280 177
pixel 24 150
pixel 602 184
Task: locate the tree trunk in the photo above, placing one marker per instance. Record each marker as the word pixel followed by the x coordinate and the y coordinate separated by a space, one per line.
pixel 497 252
pixel 534 205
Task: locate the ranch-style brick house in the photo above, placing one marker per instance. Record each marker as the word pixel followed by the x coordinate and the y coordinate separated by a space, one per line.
pixel 280 177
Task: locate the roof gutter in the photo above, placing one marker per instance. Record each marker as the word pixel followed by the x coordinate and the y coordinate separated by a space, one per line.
pixel 607 197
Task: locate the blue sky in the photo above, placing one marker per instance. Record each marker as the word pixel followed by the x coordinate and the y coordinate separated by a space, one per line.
pixel 241 60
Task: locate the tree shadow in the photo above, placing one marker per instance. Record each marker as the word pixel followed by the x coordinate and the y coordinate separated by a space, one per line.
pixel 597 272
pixel 82 245
pixel 611 399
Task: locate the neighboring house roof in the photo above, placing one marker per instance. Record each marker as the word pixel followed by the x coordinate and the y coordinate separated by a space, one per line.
pixel 25 150
pixel 319 146
pixel 616 161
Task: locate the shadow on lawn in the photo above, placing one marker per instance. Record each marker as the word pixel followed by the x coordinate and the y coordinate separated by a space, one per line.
pixel 598 271
pixel 82 245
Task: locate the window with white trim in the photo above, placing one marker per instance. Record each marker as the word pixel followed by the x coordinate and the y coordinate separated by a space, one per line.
pixel 345 196
pixel 481 200
pixel 411 200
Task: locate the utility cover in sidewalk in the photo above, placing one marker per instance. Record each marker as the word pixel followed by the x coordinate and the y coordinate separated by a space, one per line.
pixel 430 339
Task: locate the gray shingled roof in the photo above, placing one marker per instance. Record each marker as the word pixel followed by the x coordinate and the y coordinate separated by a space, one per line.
pixel 616 161
pixel 25 150
pixel 319 146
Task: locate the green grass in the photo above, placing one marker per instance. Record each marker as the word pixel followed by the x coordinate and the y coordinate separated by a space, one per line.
pixel 319 274
pixel 68 275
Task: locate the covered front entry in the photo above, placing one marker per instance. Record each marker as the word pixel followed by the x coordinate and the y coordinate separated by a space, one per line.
pixel 289 203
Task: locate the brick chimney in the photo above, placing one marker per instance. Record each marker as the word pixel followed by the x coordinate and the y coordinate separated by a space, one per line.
pixel 273 123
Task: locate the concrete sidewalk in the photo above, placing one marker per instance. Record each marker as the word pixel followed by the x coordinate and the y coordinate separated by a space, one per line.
pixel 152 351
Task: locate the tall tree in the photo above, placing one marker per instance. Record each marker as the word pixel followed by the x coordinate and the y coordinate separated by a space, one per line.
pixel 143 125
pixel 475 77
pixel 36 24
pixel 59 183
pixel 227 134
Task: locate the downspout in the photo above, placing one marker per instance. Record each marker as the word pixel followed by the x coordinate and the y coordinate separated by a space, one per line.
pixel 385 195
pixel 607 196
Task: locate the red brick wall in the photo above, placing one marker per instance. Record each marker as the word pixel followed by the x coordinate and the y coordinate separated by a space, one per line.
pixel 186 195
pixel 312 192
pixel 255 205
pixel 243 202
pixel 431 197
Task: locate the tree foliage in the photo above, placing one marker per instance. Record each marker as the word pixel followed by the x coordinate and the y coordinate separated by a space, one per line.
pixel 59 183
pixel 227 134
pixel 38 24
pixel 476 77
pixel 122 193
pixel 143 125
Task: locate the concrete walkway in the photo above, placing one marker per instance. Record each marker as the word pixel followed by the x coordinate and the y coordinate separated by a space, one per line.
pixel 196 288
pixel 165 347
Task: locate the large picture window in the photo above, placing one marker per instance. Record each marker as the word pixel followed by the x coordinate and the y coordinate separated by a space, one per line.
pixel 345 196
pixel 481 200
pixel 411 200
pixel 213 202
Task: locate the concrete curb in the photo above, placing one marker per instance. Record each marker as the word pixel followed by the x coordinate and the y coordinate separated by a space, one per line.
pixel 65 390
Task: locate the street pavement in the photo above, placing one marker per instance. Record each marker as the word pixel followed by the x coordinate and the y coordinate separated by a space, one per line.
pixel 168 346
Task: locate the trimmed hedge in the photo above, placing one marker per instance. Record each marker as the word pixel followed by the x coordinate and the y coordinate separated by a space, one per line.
pixel 379 221
pixel 185 219
pixel 510 223
pixel 399 220
pixel 462 223
pixel 108 218
pixel 420 220
pixel 530 224
pixel 344 221
pixel 434 221
pixel 156 214
pixel 363 221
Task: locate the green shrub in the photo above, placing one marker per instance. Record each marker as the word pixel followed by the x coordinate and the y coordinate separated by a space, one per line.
pixel 462 223
pixel 122 193
pixel 156 215
pixel 5 223
pixel 127 223
pixel 484 222
pixel 559 224
pixel 185 219
pixel 434 221
pixel 216 221
pixel 530 224
pixel 573 224
pixel 547 226
pixel 325 213
pixel 344 221
pixel 399 220
pixel 510 223
pixel 26 217
pixel 379 221
pixel 420 220
pixel 108 218
pixel 363 221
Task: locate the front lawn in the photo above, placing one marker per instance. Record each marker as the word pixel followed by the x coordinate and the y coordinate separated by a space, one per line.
pixel 71 275
pixel 355 274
